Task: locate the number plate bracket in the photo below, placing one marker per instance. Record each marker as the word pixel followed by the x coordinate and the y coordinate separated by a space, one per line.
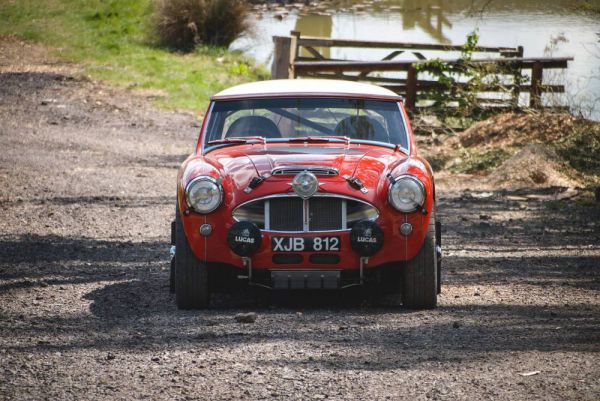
pixel 305 279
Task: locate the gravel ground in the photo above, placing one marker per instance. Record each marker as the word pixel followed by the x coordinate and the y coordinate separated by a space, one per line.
pixel 87 185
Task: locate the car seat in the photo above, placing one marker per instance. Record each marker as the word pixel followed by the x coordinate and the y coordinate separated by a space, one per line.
pixel 253 126
pixel 362 127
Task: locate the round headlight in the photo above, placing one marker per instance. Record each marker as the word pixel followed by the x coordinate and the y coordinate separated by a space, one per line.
pixel 203 194
pixel 407 193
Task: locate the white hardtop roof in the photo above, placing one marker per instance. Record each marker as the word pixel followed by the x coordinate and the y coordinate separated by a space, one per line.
pixel 305 87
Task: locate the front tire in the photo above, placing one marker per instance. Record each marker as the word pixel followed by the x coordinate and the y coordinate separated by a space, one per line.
pixel 172 264
pixel 191 275
pixel 420 276
pixel 172 276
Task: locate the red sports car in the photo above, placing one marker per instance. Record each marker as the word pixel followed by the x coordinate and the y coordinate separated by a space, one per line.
pixel 306 184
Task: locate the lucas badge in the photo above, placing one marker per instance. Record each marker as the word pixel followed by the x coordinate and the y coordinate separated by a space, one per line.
pixel 244 237
pixel 367 237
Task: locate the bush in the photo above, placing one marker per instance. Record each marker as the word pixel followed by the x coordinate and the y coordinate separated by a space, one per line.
pixel 184 24
pixel 582 148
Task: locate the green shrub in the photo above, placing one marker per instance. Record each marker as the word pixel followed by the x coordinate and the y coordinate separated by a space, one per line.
pixel 460 84
pixel 184 24
pixel 582 148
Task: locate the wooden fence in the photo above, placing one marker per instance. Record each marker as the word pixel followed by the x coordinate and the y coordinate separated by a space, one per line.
pixel 297 56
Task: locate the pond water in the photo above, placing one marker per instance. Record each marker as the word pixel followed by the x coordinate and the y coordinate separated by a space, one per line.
pixel 543 28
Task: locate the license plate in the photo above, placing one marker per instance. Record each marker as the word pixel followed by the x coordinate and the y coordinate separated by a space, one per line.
pixel 305 244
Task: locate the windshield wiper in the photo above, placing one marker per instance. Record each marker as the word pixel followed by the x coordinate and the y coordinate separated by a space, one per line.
pixel 235 140
pixel 331 138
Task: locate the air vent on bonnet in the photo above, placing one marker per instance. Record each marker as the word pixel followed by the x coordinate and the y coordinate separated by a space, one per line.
pixel 316 170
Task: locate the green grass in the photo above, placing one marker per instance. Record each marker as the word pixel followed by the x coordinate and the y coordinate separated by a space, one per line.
pixel 110 39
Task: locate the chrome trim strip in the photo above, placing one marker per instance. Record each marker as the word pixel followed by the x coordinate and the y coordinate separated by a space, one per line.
pixel 406 135
pixel 267 215
pixel 283 170
pixel 203 149
pixel 305 232
pixel 344 215
pixel 305 215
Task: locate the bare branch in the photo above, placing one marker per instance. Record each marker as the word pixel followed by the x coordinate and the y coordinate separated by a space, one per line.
pixel 478 9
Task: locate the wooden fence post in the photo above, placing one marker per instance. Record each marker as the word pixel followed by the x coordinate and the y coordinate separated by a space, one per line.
pixel 517 77
pixel 284 56
pixel 535 95
pixel 295 37
pixel 411 88
pixel 281 57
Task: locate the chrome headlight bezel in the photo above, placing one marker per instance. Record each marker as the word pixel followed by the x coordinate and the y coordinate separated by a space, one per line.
pixel 405 207
pixel 200 180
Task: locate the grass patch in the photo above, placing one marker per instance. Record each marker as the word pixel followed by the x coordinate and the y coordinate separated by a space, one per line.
pixel 110 38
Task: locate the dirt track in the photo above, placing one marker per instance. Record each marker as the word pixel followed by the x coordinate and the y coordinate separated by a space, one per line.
pixel 87 181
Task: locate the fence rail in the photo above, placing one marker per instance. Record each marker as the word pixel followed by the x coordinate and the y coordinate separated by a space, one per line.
pixel 416 78
pixel 308 41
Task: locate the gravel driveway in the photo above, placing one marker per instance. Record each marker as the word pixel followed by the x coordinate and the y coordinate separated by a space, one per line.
pixel 87 185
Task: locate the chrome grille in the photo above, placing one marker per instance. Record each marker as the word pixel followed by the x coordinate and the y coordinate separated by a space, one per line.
pixel 290 213
pixel 316 170
pixel 325 214
pixel 285 214
pixel 313 214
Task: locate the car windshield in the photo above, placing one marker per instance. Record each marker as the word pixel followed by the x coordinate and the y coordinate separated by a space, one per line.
pixel 311 119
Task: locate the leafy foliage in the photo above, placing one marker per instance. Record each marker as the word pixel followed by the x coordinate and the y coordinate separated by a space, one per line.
pixel 184 24
pixel 581 149
pixel 461 82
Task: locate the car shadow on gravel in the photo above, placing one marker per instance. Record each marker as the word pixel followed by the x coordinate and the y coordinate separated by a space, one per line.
pixel 131 308
pixel 40 260
pixel 140 314
pixel 489 219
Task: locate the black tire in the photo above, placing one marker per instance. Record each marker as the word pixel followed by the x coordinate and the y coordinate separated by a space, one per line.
pixel 419 284
pixel 191 275
pixel 172 276
pixel 438 244
pixel 172 269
